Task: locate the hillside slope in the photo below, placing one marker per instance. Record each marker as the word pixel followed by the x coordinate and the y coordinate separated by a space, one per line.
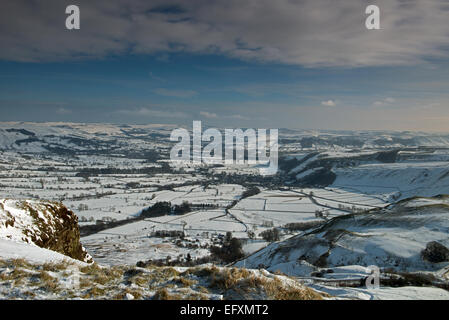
pixel 389 238
pixel 20 279
pixel 45 224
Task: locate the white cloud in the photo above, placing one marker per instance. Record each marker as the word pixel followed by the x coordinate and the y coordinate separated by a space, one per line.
pixel 238 117
pixel 209 115
pixel 384 102
pixel 147 112
pixel 63 111
pixel 328 103
pixel 154 77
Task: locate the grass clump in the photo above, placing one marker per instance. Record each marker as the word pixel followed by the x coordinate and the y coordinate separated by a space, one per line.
pixel 91 269
pixel 184 282
pixel 277 290
pixel 54 267
pixel 94 292
pixel 227 278
pixel 203 272
pixel 101 276
pixel 17 263
pixel 136 293
pixel 163 294
pixel 243 282
pixel 48 282
pixel 140 281
pixel 18 276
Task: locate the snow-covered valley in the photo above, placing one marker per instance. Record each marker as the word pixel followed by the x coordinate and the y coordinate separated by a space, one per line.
pixel 339 204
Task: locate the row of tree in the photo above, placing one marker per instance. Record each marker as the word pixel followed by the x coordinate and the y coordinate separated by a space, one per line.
pixel 164 208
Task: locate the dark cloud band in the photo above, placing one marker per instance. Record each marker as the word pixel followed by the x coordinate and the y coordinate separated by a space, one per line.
pixel 304 32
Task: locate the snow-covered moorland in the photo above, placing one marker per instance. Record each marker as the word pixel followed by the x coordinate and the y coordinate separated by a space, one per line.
pixel 341 202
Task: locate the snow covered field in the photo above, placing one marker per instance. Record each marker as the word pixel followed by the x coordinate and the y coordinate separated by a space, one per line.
pixel 109 173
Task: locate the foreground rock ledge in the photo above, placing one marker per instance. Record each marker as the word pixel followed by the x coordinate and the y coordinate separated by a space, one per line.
pixel 46 224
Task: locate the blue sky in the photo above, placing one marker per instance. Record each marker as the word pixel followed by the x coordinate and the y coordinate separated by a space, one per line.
pixel 235 78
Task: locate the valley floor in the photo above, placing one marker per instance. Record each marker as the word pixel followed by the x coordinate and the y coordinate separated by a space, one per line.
pixel 342 202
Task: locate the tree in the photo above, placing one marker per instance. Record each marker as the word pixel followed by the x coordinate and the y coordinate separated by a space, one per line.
pixel 184 224
pixel 321 214
pixel 183 208
pixel 235 249
pixel 157 210
pixel 250 192
pixel 231 249
pixel 228 237
pixel 271 235
pixel 82 207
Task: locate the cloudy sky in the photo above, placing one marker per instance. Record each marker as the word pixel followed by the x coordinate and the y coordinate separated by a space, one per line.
pixel 308 64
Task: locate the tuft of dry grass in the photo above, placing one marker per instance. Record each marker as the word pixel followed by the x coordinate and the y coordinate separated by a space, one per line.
pixel 94 292
pixel 45 276
pixel 136 293
pixel 242 280
pixel 163 294
pixel 277 290
pixel 169 272
pixel 29 294
pixel 54 267
pixel 18 276
pixel 228 278
pixel 185 282
pixel 48 282
pixel 101 275
pixel 203 272
pixel 91 269
pixel 196 296
pixel 160 275
pixel 18 263
pixel 202 289
pixel 142 280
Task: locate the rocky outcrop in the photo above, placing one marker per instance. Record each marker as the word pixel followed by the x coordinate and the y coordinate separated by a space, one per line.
pixel 45 224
